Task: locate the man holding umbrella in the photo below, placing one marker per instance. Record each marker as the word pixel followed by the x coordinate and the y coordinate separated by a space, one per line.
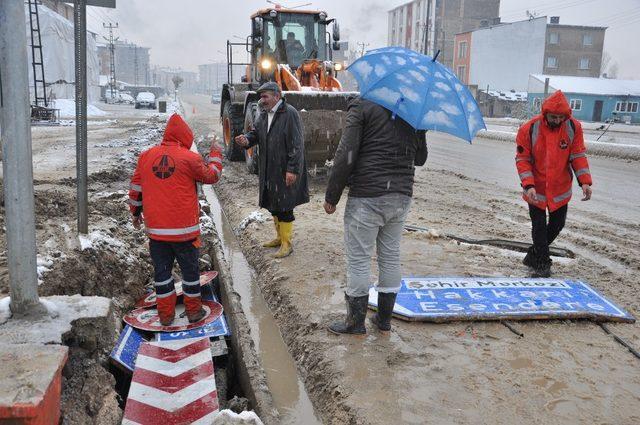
pixel 402 93
pixel 376 156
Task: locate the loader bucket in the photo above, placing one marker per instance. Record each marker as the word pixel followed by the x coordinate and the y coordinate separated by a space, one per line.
pixel 323 116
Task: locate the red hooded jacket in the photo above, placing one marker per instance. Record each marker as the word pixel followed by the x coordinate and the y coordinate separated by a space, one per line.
pixel 546 156
pixel 164 184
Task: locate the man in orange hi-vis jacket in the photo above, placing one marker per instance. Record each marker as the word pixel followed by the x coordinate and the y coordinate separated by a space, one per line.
pixel 550 150
pixel 164 191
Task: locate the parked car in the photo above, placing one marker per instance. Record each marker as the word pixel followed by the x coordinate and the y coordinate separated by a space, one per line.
pixel 127 98
pixel 216 98
pixel 146 99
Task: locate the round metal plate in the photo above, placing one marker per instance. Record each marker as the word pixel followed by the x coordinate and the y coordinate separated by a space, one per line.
pixel 147 319
pixel 150 299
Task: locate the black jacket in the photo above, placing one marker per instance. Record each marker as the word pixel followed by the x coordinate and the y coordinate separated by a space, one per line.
pixel 281 150
pixel 376 154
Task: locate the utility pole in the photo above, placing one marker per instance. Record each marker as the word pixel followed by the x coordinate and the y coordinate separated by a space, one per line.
pixel 17 160
pixel 362 47
pixel 112 56
pixel 80 35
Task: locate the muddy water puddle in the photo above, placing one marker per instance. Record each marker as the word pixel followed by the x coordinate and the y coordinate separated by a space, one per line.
pixel 289 394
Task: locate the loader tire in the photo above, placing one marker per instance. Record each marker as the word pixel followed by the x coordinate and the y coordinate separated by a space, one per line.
pixel 251 155
pixel 232 123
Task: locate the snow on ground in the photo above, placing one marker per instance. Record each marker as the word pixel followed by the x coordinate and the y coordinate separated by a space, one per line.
pixel 5 311
pixel 67 108
pixel 63 310
pixel 254 217
pixel 608 148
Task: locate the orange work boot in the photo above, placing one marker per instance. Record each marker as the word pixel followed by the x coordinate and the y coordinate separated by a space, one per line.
pixel 193 307
pixel 167 309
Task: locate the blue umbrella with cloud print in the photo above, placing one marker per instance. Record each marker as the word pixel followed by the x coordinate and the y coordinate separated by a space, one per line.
pixel 418 89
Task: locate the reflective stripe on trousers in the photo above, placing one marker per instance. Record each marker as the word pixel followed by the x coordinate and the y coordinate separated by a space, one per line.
pixel 191 289
pixel 165 288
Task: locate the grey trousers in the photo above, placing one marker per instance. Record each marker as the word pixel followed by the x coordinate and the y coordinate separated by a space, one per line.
pixel 370 222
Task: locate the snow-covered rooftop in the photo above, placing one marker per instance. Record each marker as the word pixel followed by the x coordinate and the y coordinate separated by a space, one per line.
pixel 508 95
pixel 587 85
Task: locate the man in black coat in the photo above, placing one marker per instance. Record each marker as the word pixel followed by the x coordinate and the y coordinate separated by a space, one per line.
pixel 282 169
pixel 376 157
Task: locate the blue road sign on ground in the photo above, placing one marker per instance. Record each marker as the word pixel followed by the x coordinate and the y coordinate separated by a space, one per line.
pixel 126 350
pixel 216 328
pixel 443 299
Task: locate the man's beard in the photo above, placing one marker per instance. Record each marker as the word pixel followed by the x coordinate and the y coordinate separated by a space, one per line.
pixel 554 125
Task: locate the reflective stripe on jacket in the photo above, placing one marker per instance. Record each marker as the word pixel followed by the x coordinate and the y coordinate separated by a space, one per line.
pixel 546 157
pixel 164 185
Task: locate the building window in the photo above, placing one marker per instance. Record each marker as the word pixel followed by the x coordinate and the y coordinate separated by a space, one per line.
pixel 576 104
pixel 587 40
pixel 584 63
pixel 552 62
pixel 631 107
pixel 462 74
pixel 553 38
pixel 537 103
pixel 462 49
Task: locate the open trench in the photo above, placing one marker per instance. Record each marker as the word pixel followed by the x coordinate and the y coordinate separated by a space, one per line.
pixel 116 265
pixel 289 395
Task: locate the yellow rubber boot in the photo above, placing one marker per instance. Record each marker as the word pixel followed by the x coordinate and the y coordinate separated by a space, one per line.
pixel 286 232
pixel 276 242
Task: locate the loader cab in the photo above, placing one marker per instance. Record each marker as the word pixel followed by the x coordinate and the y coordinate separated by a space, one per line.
pixel 282 36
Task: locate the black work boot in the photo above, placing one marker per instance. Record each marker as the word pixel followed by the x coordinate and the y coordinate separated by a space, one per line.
pixel 529 260
pixel 542 267
pixel 356 313
pixel 382 318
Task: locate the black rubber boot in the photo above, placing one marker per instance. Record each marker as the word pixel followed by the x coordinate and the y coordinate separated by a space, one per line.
pixel 382 318
pixel 530 259
pixel 542 267
pixel 356 314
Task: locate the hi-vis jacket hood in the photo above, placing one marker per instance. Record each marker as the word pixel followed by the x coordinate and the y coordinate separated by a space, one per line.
pixel 177 133
pixel 556 104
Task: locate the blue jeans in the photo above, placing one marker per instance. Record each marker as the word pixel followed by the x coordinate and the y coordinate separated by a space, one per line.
pixel 370 222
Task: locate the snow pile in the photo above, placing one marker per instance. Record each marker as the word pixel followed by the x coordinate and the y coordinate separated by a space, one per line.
pixel 228 417
pixel 99 239
pixel 67 108
pixel 254 217
pixel 44 264
pixel 63 311
pixel 5 311
pixel 614 150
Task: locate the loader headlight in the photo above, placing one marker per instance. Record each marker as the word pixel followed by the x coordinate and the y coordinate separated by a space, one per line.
pixel 338 67
pixel 266 64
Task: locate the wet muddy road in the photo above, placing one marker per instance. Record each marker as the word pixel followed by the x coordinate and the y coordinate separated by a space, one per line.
pixel 560 372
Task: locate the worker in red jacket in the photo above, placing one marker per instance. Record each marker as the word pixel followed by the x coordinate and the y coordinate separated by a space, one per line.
pixel 164 191
pixel 550 151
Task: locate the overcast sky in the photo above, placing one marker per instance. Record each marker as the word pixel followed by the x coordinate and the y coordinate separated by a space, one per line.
pixel 186 33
